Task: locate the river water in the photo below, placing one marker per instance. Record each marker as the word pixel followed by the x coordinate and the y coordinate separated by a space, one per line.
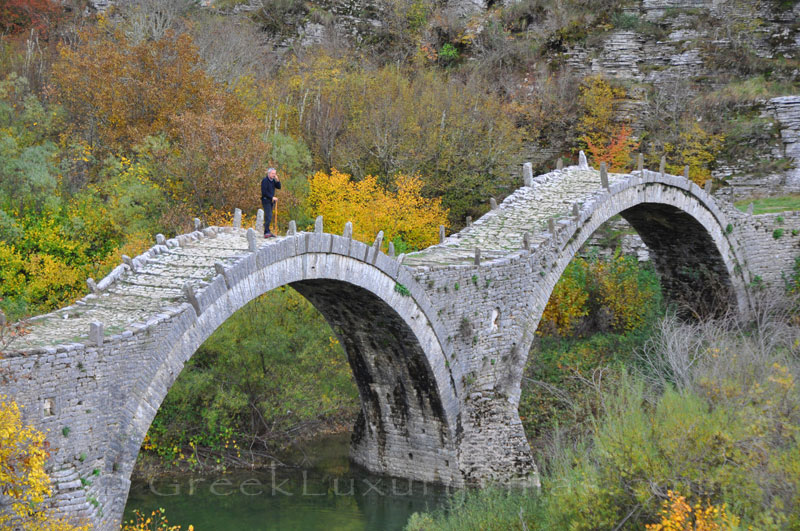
pixel 323 492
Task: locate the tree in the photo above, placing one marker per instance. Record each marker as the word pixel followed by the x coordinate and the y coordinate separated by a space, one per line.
pixel 118 92
pixel 222 155
pixel 17 16
pixel 696 148
pixel 403 215
pixel 457 136
pixel 606 140
pixel 617 154
pixel 23 480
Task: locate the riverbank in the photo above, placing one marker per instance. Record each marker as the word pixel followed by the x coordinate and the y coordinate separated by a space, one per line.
pixel 265 453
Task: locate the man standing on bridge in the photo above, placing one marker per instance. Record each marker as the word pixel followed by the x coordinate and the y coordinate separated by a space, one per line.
pixel 269 184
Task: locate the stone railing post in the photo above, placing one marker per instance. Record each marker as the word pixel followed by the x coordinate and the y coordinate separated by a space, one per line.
pixel 96 334
pixel 252 246
pixel 260 220
pixel 604 175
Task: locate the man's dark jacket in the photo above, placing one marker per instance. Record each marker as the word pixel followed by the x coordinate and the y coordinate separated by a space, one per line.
pixel 268 188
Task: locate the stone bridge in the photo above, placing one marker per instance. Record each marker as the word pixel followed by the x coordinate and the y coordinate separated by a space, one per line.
pixel 437 340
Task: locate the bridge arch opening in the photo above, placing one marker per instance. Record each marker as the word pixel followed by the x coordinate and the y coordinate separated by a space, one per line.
pixel 688 243
pixel 397 390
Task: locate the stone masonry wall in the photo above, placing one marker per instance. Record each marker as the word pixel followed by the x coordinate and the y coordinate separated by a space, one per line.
pixel 771 242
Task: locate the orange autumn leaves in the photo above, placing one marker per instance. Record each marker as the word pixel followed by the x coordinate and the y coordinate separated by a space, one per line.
pixel 609 140
pixel 120 93
pixel 605 140
pixel 402 213
pixel 19 16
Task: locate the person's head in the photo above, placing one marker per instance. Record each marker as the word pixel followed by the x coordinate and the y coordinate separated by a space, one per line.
pixel 272 173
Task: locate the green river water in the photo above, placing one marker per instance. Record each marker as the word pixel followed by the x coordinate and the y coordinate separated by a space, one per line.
pixel 324 492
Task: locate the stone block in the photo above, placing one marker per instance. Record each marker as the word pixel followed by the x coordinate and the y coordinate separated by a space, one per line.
pixel 388 265
pixel 358 250
pixel 341 245
pixel 319 242
pixel 211 293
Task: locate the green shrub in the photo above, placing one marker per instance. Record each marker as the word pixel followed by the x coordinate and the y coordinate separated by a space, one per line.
pixel 448 54
pixel 626 21
pixel 792 280
pixel 402 290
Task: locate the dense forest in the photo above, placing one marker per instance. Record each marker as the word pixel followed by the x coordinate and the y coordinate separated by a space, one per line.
pixel 403 115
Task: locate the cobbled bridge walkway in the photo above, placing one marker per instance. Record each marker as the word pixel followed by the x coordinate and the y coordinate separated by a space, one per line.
pixel 437 339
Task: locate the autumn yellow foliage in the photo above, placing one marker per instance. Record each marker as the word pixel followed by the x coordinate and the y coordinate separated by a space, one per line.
pixel 696 148
pixel 568 302
pixel 678 515
pixel 156 521
pixel 620 291
pixel 403 214
pixel 23 480
pixel 617 285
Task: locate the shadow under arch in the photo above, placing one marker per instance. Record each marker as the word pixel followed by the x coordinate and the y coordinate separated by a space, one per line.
pixel 409 404
pixel 688 261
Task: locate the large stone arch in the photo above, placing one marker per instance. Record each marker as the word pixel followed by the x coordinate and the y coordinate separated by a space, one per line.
pixel 410 408
pixel 688 236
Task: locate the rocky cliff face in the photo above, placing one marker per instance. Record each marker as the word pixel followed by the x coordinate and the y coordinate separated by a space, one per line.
pixel 787 111
pixel 674 39
pixel 682 47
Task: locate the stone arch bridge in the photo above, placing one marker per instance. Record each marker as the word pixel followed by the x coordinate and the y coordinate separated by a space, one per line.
pixel 437 340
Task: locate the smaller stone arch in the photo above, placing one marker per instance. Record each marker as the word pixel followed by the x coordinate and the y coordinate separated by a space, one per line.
pixel 679 222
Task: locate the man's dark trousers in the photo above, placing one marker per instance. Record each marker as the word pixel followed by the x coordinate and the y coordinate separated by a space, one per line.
pixel 266 204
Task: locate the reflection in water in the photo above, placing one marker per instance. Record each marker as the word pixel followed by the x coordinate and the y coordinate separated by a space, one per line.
pixel 325 493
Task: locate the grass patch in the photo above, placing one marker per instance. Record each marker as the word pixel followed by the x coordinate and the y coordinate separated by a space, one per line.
pixel 771 205
pixel 492 508
pixel 751 90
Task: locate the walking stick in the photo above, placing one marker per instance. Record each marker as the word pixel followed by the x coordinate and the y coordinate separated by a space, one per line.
pixel 276 218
